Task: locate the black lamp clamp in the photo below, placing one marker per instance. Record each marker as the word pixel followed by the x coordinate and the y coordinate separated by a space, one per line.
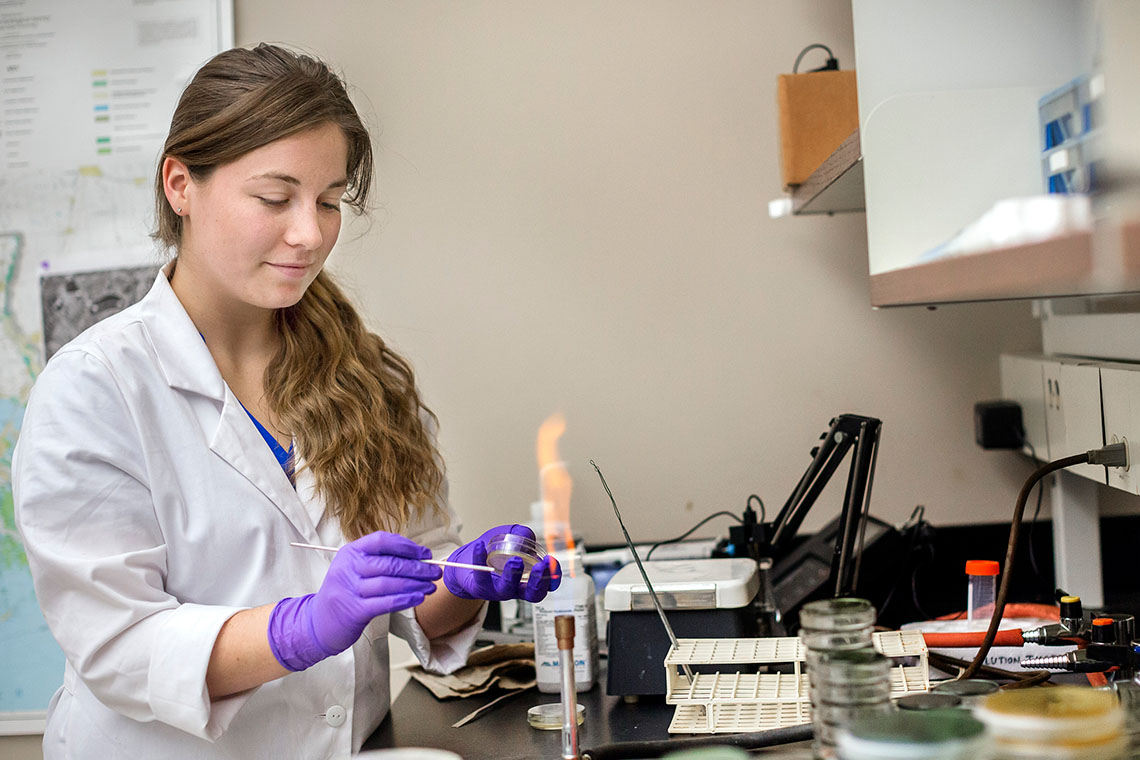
pixel 845 432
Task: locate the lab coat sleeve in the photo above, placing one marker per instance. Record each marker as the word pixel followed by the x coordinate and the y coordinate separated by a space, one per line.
pixel 439 532
pixel 98 555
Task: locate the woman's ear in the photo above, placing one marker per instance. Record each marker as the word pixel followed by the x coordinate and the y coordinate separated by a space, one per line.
pixel 175 183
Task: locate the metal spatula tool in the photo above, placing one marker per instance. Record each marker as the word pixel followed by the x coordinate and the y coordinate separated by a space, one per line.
pixel 641 569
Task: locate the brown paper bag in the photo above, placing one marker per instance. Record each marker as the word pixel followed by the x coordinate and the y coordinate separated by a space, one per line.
pixel 818 111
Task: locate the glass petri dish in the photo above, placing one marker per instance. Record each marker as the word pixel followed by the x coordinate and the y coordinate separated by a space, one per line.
pixel 843 614
pixel 847 693
pixel 970 690
pixel 930 735
pixel 548 717
pixel 817 640
pixel 502 548
pixel 849 666
pixel 920 702
pixel 1054 719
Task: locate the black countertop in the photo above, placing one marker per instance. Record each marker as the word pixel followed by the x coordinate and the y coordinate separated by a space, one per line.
pixel 418 719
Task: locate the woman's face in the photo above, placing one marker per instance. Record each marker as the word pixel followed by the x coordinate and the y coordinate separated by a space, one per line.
pixel 259 229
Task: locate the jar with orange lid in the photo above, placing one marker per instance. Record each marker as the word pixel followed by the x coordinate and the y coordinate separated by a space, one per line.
pixel 982 589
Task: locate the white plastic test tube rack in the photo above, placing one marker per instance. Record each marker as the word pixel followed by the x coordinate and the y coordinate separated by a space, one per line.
pixel 722 703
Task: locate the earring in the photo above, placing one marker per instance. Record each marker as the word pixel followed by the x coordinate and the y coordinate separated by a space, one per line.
pixel 179 211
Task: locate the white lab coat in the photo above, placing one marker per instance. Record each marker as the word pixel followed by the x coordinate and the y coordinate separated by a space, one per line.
pixel 152 510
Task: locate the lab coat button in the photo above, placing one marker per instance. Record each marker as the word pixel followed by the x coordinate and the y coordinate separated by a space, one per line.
pixel 335 716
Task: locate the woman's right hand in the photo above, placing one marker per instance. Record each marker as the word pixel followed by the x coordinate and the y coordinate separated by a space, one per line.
pixel 373 575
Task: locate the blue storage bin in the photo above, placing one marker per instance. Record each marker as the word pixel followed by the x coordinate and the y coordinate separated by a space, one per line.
pixel 1069 121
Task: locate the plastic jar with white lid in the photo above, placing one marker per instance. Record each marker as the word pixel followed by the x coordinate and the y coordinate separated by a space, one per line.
pixel 1061 723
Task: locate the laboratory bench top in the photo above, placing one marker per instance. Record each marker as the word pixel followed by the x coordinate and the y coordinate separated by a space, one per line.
pixel 418 719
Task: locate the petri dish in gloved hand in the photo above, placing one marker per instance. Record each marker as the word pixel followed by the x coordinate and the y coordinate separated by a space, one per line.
pixel 501 548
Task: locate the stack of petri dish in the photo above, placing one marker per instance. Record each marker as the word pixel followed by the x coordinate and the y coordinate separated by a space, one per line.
pixel 848 678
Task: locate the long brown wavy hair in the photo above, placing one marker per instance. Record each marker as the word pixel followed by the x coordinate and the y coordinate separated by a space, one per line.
pixel 349 400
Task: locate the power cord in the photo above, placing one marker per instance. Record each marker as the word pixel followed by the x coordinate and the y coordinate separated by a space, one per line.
pixel 831 65
pixel 1036 512
pixel 690 531
pixel 1017 679
pixel 1113 455
pixel 917 528
pixel 760 502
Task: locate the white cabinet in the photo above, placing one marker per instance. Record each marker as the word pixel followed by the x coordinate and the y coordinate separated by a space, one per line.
pixel 952 147
pixel 1082 405
pixel 1073 412
pixel 948 121
pixel 1023 381
pixel 1060 406
pixel 1120 398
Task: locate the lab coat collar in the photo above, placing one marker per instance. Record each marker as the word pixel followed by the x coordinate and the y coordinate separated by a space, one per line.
pixel 182 354
pixel 237 441
pixel 188 366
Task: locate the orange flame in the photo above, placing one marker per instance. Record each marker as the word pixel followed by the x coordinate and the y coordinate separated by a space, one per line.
pixel 555 485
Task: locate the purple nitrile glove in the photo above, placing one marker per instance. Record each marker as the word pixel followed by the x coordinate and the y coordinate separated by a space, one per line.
pixel 373 575
pixel 474 584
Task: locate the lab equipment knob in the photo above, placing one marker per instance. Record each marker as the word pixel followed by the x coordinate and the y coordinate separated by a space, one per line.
pixel 1102 631
pixel 1071 608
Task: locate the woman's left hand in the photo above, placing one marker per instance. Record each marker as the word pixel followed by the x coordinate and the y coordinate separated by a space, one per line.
pixel 475 584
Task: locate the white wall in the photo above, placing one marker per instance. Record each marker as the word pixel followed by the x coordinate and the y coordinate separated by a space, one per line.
pixel 574 219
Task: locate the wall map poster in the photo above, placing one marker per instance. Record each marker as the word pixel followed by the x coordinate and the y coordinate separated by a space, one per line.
pixel 86 94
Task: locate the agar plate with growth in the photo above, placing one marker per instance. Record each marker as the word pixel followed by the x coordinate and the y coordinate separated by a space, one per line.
pixel 548 717
pixel 501 548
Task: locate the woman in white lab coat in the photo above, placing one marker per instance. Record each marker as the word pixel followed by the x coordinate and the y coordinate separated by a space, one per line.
pixel 171 453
